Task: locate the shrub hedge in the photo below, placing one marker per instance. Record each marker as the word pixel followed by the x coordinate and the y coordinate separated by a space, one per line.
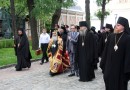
pixel 9 43
pixel 6 43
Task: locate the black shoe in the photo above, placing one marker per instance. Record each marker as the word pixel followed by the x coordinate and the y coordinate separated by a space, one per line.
pixel 52 74
pixel 47 61
pixel 82 80
pixel 41 63
pixel 72 74
pixel 18 69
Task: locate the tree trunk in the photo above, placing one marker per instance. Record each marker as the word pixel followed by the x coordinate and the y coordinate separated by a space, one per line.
pixel 103 13
pixel 56 17
pixel 13 18
pixel 33 25
pixel 87 10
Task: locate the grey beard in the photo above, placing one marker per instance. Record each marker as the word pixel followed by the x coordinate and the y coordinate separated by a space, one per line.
pixel 54 38
pixel 82 32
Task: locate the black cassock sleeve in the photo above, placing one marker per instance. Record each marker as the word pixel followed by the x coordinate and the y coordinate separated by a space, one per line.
pixel 95 47
pixel 15 48
pixel 104 55
pixel 77 51
pixel 22 43
pixel 100 45
pixel 16 45
pixel 127 58
pixel 24 46
pixel 93 53
pixel 64 38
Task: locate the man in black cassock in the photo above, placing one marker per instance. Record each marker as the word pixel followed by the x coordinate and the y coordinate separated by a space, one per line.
pixel 63 34
pixel 96 38
pixel 103 38
pixel 21 45
pixel 115 61
pixel 86 53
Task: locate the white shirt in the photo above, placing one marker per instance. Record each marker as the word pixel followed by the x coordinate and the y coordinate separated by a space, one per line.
pixel 44 38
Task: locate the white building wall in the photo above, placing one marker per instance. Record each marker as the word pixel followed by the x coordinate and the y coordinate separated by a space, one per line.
pixel 117 8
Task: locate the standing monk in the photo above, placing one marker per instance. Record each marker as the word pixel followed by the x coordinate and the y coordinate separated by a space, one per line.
pixel 104 37
pixel 86 53
pixel 63 34
pixel 22 51
pixel 115 61
pixel 96 38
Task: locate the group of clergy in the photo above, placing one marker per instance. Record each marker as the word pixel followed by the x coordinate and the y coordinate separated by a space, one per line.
pixel 85 46
pixel 79 50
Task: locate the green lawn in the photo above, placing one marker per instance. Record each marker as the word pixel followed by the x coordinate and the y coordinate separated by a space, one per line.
pixel 7 56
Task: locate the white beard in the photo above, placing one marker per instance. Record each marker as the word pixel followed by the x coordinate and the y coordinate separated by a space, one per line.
pixel 54 38
pixel 82 32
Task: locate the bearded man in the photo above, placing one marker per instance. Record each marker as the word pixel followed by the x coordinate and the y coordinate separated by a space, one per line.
pixel 86 53
pixel 55 49
pixel 115 61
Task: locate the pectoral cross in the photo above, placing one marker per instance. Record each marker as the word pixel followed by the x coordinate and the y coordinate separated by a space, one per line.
pixel 82 43
pixel 54 45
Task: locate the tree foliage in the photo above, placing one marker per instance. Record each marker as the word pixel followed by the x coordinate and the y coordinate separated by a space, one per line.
pixel 99 14
pixel 42 10
pixel 20 8
pixel 102 13
pixel 100 2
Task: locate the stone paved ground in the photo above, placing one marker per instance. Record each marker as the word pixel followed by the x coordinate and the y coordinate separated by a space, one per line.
pixel 37 78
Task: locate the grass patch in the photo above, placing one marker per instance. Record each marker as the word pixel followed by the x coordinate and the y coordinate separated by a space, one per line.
pixel 7 56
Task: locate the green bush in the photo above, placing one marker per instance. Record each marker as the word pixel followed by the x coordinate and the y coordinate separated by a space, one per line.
pixel 9 43
pixel 6 43
pixel 1 45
